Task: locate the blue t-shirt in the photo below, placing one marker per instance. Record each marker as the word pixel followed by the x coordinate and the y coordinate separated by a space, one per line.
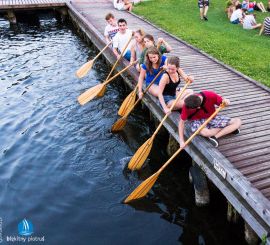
pixel 149 77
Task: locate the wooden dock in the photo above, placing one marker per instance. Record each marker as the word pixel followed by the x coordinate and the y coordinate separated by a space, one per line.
pixel 240 167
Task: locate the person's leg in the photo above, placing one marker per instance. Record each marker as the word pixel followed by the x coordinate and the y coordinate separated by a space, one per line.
pixel 205 12
pixel 234 124
pixel 257 26
pixel 201 13
pixel 154 90
pixel 200 5
pixel 263 8
pixel 209 132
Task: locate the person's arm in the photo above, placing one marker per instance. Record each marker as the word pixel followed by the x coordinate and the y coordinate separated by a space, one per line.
pixel 181 127
pixel 133 53
pixel 162 83
pixel 140 82
pixel 185 76
pixel 162 42
pixel 115 46
pixel 262 30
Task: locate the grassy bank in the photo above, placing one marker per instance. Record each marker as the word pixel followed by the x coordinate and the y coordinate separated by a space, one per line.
pixel 242 49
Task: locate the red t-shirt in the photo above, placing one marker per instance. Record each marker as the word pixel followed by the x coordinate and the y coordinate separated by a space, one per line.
pixel 211 99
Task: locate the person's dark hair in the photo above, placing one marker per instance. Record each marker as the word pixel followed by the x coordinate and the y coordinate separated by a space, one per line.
pixel 239 6
pixel 109 16
pixel 193 101
pixel 148 63
pixel 150 37
pixel 174 60
pixel 121 21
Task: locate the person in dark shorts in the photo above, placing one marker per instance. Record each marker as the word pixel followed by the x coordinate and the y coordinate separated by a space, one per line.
pixel 203 6
pixel 197 108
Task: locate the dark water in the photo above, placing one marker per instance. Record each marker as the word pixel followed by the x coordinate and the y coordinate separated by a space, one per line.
pixel 63 170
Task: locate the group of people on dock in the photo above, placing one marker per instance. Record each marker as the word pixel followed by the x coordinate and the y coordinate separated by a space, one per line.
pixel 167 72
pixel 243 14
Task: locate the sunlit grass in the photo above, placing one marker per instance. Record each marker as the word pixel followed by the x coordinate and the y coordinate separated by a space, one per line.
pixel 242 49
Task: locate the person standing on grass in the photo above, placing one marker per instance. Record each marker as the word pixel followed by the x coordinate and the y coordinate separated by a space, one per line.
pixel 265 27
pixel 111 28
pixel 250 23
pixel 121 39
pixel 154 63
pixel 122 5
pixel 197 108
pixel 169 85
pixel 203 6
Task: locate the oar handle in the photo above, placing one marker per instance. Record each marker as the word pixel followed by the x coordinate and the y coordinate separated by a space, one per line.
pixel 101 51
pixel 192 136
pixel 121 55
pixel 144 92
pixel 117 74
pixel 171 108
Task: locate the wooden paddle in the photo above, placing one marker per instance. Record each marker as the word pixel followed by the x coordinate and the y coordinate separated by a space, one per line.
pixel 101 93
pixel 120 123
pixel 84 69
pixel 128 102
pixel 94 91
pixel 146 185
pixel 142 153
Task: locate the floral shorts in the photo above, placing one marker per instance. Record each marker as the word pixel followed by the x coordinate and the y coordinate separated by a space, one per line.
pixel 216 122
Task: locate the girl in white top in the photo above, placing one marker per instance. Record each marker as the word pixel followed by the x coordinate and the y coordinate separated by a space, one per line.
pixel 249 22
pixel 137 47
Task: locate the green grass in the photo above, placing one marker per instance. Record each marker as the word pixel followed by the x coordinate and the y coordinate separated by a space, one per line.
pixel 242 49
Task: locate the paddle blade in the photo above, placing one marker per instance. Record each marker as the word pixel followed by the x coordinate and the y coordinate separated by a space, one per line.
pixel 102 92
pixel 119 125
pixel 90 94
pixel 143 188
pixel 127 103
pixel 140 156
pixel 81 72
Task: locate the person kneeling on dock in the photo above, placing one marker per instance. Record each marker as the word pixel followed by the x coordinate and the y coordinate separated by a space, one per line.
pixel 169 85
pixel 197 108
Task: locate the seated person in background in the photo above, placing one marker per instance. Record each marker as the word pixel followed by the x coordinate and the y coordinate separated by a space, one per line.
pixel 246 4
pixel 169 85
pixel 231 6
pixel 249 22
pixel 200 106
pixel 237 15
pixel 121 39
pixel 265 27
pixel 111 28
pixel 137 47
pixel 162 45
pixel 122 5
pixel 154 62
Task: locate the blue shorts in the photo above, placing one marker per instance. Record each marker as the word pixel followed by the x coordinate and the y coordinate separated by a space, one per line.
pixel 237 21
pixel 168 98
pixel 127 55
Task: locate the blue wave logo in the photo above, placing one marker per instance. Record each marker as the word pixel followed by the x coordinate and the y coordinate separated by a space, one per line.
pixel 25 228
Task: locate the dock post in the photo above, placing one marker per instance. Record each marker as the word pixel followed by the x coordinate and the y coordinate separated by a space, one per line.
pixel 11 17
pixel 250 236
pixel 199 180
pixel 232 214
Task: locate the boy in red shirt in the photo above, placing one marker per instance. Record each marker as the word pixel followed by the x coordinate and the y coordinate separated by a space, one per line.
pixel 200 106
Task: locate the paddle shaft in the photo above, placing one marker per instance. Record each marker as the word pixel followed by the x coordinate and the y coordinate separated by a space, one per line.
pixel 191 137
pixel 121 55
pixel 171 108
pixel 117 74
pixel 101 51
pixel 144 92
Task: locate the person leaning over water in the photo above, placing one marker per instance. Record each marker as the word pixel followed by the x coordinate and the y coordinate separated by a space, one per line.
pixel 149 41
pixel 169 84
pixel 197 108
pixel 121 39
pixel 154 62
pixel 137 47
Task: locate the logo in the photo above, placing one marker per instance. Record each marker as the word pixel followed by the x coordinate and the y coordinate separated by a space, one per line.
pixel 25 228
